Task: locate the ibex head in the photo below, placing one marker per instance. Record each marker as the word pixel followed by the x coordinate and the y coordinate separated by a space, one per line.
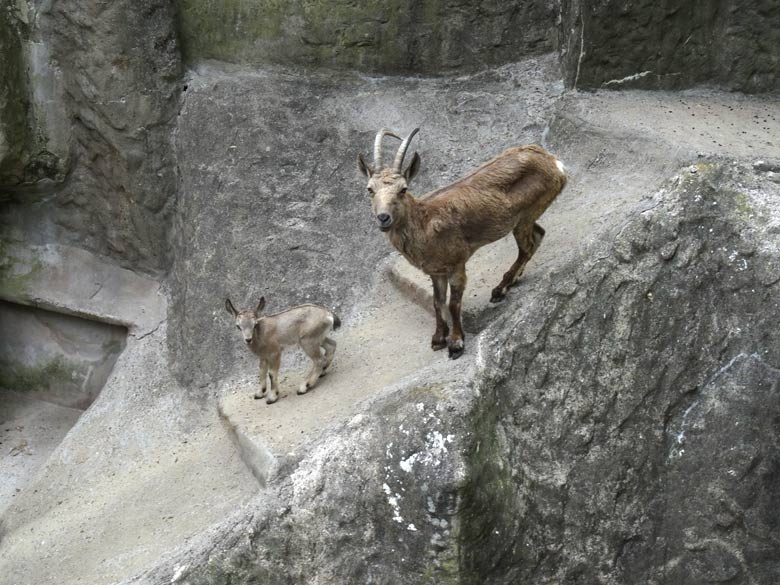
pixel 246 320
pixel 387 185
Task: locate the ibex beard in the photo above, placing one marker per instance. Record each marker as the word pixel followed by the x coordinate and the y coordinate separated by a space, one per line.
pixel 440 231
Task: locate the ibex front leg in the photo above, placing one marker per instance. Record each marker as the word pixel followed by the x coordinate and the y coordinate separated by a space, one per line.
pixel 274 361
pixel 439 339
pixel 457 286
pixel 263 379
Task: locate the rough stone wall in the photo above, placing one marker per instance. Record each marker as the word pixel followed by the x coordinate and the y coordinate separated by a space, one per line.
pixel 271 202
pixel 671 45
pixel 54 357
pixel 636 412
pixel 376 503
pixel 29 152
pixel 103 81
pixel 402 36
pixel 623 429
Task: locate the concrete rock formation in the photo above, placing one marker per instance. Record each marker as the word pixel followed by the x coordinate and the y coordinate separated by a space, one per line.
pixel 613 421
pixel 671 45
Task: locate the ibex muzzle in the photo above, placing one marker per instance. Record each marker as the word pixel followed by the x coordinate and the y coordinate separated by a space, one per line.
pixel 305 325
pixel 439 232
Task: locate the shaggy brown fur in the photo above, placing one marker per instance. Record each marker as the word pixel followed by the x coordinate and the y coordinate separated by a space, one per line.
pixel 439 232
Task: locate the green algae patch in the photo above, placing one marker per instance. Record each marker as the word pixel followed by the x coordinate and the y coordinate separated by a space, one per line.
pixel 16 137
pixel 397 36
pixel 17 276
pixel 27 378
pixel 493 512
pixel 434 389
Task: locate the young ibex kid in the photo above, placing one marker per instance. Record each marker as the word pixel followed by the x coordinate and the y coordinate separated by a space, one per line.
pixel 266 336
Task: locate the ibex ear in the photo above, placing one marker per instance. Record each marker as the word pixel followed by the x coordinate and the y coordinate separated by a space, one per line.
pixel 230 308
pixel 364 167
pixel 260 305
pixel 413 168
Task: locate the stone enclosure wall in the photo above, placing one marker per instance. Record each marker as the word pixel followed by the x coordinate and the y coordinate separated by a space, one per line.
pixel 604 407
pixel 672 44
pixel 88 92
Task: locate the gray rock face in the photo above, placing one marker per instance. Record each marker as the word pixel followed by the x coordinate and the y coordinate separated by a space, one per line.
pixel 671 45
pixel 615 422
pixel 271 200
pixel 104 92
pixel 61 359
pixel 622 428
pixel 637 407
pixel 386 37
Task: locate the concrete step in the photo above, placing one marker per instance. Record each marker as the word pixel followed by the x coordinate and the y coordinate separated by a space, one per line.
pixel 386 344
pixel 30 430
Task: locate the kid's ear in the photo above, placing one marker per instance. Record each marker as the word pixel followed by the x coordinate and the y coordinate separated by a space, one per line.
pixel 260 305
pixel 364 167
pixel 413 168
pixel 230 308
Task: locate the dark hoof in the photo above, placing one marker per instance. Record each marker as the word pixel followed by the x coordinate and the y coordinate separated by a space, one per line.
pixel 270 401
pixel 455 349
pixel 497 295
pixel 259 395
pixel 437 344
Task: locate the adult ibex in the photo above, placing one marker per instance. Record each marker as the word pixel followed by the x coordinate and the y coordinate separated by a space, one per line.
pixel 305 325
pixel 439 232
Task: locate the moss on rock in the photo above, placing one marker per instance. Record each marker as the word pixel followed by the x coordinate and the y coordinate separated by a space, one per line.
pixel 27 378
pixel 16 137
pixel 432 36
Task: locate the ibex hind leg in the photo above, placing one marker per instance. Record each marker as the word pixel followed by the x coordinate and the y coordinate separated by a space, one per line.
pixel 314 351
pixel 439 339
pixel 537 235
pixel 528 241
pixel 329 347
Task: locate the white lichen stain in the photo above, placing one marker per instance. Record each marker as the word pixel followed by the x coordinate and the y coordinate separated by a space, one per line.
pixel 178 573
pixel 633 77
pixel 392 499
pixel 408 463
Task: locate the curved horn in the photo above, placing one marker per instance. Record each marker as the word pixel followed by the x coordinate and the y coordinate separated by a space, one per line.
pixel 378 146
pixel 399 157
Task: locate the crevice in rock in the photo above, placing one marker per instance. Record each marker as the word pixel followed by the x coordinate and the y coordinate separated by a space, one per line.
pixel 256 456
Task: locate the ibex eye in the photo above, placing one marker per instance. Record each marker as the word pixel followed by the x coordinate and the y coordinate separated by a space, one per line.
pixel 370 190
pixel 402 191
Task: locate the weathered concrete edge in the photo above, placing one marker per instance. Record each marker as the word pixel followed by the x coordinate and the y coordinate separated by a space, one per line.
pixel 218 542
pixel 252 448
pixel 76 282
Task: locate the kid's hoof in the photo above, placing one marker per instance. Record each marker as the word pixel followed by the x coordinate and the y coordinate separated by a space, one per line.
pixel 271 399
pixel 303 389
pixel 456 349
pixel 324 371
pixel 497 295
pixel 259 395
pixel 437 344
